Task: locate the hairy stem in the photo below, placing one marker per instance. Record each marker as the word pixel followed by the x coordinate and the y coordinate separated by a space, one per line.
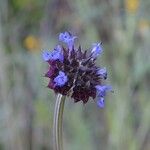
pixel 57 125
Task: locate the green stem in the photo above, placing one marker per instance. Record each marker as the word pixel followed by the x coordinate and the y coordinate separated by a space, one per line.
pixel 57 126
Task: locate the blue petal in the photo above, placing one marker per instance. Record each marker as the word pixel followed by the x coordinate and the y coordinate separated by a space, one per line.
pixel 57 54
pixel 58 48
pixel 67 38
pixel 102 72
pixel 96 50
pixel 61 73
pixel 46 55
pixel 102 89
pixel 64 37
pixel 61 79
pixel 101 102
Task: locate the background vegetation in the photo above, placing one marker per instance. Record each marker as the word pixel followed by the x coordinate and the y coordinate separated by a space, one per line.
pixel 26 105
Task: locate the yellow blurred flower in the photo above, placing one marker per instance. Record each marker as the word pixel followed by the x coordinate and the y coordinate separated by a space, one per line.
pixel 32 43
pixel 132 5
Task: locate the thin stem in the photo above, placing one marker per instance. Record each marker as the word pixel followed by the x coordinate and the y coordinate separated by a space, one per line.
pixel 57 126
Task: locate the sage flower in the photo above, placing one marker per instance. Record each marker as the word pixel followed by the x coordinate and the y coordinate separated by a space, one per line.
pixel 74 73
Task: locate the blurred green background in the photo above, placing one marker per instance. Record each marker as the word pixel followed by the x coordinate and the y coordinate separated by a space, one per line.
pixel 26 105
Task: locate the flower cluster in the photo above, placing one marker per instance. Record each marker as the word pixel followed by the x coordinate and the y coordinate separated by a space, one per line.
pixel 74 73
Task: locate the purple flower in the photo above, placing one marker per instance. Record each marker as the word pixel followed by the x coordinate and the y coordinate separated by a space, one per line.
pixel 76 73
pixel 102 89
pixel 46 55
pixel 96 50
pixel 67 38
pixel 61 79
pixel 56 54
pixel 101 93
pixel 101 102
pixel 102 72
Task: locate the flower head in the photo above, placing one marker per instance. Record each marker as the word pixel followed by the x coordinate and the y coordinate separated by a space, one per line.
pixel 74 72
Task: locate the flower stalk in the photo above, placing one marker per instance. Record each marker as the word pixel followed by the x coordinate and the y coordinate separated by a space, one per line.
pixel 57 122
